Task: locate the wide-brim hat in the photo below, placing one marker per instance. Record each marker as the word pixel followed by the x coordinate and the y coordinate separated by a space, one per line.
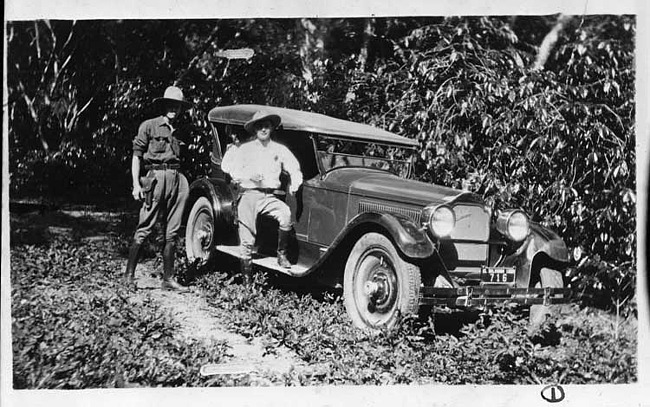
pixel 262 115
pixel 173 95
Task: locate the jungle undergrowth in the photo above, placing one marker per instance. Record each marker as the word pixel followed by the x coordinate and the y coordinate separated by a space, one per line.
pixel 74 326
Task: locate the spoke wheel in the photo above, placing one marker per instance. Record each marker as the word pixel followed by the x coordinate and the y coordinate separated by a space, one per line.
pixel 200 232
pixel 379 285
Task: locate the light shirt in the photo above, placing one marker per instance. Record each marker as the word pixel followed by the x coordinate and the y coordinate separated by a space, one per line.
pixel 252 158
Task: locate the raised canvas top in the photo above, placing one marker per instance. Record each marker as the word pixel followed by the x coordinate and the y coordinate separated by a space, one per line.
pixel 311 122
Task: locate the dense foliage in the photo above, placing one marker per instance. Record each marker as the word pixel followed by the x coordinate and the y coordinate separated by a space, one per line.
pixel 558 142
pixel 546 126
pixel 74 326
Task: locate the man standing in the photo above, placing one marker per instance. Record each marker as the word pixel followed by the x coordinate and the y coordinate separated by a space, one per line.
pixel 164 189
pixel 256 166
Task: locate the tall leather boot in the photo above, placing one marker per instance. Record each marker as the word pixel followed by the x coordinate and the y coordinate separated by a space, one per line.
pixel 247 271
pixel 283 244
pixel 168 282
pixel 129 273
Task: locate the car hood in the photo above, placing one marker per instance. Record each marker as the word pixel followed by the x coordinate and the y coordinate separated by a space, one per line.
pixel 386 186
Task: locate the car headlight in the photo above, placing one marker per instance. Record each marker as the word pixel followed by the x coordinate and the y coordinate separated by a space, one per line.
pixel 441 220
pixel 513 224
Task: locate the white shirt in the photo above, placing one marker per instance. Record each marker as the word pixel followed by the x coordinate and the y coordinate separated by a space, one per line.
pixel 252 158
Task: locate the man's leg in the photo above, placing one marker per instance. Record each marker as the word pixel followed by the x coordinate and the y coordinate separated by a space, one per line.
pixel 169 255
pixel 146 222
pixel 246 265
pixel 280 211
pixel 247 215
pixel 178 194
pixel 132 262
pixel 283 244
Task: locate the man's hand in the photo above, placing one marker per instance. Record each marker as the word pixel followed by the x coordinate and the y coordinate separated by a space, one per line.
pixel 257 177
pixel 137 192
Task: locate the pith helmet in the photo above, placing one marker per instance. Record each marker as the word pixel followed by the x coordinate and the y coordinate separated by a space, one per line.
pixel 262 115
pixel 174 95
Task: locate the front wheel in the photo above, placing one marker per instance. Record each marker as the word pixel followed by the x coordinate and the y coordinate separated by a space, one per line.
pixel 200 233
pixel 378 284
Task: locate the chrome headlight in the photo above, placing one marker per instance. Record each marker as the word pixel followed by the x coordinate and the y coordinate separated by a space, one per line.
pixel 513 224
pixel 441 220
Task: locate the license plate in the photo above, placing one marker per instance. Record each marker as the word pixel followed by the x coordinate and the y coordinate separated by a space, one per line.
pixel 498 275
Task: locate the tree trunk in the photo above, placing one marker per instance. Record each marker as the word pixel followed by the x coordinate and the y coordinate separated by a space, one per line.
pixel 549 42
pixel 29 103
pixel 311 44
pixel 368 34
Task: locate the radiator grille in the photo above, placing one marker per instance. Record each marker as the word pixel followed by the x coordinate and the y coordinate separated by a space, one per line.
pixel 412 214
pixel 472 223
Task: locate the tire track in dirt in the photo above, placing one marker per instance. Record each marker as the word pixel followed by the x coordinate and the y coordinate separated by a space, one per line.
pixel 196 321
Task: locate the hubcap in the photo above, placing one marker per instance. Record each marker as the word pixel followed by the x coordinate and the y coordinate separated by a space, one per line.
pixel 203 233
pixel 204 237
pixel 382 287
pixel 371 288
pixel 377 287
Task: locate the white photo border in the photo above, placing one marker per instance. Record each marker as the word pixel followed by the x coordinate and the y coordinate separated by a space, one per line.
pixel 611 395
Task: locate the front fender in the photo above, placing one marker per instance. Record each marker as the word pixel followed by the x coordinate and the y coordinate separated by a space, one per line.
pixel 407 236
pixel 543 247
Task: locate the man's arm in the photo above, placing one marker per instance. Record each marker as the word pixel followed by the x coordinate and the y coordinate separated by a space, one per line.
pixel 227 162
pixel 232 164
pixel 135 175
pixel 292 166
pixel 140 144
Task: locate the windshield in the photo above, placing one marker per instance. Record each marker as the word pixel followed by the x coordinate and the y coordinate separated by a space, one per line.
pixel 335 153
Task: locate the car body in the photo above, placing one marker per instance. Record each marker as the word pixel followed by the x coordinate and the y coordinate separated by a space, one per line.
pixel 394 244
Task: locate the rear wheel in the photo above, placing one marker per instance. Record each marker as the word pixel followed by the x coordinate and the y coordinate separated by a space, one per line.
pixel 539 312
pixel 200 232
pixel 379 285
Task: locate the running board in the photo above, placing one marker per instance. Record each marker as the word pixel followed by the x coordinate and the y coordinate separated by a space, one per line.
pixel 266 262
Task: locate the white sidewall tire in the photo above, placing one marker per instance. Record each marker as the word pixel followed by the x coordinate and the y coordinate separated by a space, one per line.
pixel 363 264
pixel 201 208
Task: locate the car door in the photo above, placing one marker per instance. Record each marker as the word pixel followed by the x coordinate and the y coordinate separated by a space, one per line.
pixel 327 208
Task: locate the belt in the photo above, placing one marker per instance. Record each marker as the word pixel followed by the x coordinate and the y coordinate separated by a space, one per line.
pixel 163 166
pixel 274 191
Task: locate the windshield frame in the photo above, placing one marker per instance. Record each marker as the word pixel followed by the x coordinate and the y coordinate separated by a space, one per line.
pixel 408 163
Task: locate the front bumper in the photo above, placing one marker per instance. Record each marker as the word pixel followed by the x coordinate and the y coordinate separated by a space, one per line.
pixel 492 295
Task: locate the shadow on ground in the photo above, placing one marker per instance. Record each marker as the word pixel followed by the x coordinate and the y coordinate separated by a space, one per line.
pixel 41 224
pixel 35 225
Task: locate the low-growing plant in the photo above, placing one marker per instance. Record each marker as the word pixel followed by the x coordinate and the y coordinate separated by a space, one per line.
pixel 490 348
pixel 75 326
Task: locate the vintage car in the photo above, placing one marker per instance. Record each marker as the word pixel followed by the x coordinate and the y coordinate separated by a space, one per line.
pixel 394 244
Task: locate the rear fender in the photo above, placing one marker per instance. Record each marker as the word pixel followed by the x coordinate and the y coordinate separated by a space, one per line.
pixel 542 248
pixel 220 196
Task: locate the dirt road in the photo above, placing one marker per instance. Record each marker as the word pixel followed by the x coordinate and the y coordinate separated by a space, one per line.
pixel 196 321
pixel 190 310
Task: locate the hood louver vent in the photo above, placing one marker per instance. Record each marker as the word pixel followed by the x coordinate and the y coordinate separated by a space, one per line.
pixel 412 214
